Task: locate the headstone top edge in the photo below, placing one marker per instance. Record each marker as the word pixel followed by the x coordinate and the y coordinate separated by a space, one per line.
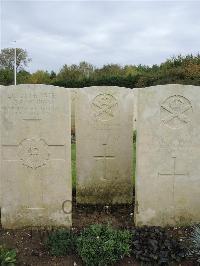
pixel 36 86
pixel 172 85
pixel 105 87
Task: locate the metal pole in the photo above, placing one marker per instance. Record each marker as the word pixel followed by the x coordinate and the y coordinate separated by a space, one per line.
pixel 15 67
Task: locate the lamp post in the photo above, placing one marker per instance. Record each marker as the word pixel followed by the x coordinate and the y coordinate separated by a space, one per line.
pixel 15 64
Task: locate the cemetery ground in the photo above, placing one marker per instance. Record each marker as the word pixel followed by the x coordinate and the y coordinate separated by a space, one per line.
pixel 31 249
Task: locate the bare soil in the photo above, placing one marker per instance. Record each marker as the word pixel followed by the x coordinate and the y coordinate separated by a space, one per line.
pixel 30 248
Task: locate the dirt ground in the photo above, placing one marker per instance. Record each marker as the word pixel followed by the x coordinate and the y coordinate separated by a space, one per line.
pixel 29 244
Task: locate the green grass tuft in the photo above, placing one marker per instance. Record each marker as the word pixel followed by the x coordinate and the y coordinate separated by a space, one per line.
pixel 7 256
pixel 73 154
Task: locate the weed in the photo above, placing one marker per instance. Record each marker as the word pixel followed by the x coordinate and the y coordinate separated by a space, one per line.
pixel 7 256
pixel 61 242
pixel 101 245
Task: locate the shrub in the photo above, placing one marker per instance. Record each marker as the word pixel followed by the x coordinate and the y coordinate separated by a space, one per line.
pixel 7 257
pixel 194 243
pixel 61 242
pixel 100 245
pixel 153 245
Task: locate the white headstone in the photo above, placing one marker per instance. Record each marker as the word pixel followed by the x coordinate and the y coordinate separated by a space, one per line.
pixel 104 137
pixel 1 89
pixel 36 156
pixel 168 156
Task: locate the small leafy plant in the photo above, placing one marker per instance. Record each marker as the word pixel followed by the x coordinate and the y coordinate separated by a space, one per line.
pixel 101 245
pixel 154 246
pixel 61 242
pixel 7 256
pixel 194 243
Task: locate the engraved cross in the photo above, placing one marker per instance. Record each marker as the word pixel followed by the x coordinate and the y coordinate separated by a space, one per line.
pixel 104 157
pixel 174 173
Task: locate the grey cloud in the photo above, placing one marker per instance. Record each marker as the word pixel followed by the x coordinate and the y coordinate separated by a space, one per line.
pixel 57 32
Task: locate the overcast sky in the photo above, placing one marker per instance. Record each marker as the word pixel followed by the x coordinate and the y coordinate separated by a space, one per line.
pixel 100 32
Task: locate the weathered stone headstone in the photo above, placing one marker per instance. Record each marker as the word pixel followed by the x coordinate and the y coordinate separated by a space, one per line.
pixel 168 156
pixel 104 131
pixel 36 157
pixel 1 89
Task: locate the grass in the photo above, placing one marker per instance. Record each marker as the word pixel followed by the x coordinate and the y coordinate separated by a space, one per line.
pixel 73 153
pixel 7 256
pixel 134 161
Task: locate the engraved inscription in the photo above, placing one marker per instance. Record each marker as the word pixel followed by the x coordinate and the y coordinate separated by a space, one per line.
pixel 104 107
pixel 175 144
pixel 33 153
pixel 104 157
pixel 35 209
pixel 176 111
pixel 29 105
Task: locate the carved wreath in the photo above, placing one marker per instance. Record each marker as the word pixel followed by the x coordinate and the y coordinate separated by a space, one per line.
pixel 33 152
pixel 104 106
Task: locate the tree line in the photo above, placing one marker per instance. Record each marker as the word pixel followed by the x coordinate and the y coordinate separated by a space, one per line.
pixel 178 69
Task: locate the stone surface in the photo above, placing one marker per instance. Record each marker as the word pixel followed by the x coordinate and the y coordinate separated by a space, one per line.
pixel 168 156
pixel 104 131
pixel 36 156
pixel 1 89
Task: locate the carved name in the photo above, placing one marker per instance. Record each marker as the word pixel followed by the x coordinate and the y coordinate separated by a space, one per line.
pixel 29 105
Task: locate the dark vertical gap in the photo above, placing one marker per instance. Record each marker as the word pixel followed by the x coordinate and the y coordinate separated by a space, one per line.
pixel 73 164
pixel 134 171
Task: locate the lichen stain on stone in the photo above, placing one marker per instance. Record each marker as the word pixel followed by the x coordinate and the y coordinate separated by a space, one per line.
pixel 106 193
pixel 184 218
pixel 46 218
